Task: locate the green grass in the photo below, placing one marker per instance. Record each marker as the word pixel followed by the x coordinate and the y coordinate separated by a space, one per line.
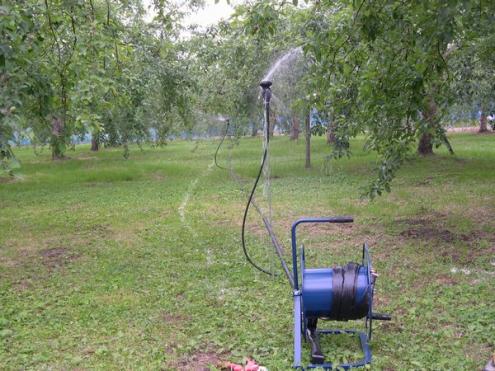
pixel 114 264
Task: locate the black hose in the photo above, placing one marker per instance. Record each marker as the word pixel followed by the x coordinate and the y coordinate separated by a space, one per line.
pixel 220 144
pixel 251 195
pixel 249 202
pixel 246 210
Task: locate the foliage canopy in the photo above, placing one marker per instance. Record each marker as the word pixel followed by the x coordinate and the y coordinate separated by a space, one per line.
pixel 387 70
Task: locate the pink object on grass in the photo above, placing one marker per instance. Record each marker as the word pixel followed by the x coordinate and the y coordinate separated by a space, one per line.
pixel 250 366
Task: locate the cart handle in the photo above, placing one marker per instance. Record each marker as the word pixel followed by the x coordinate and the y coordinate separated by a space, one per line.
pixel 334 219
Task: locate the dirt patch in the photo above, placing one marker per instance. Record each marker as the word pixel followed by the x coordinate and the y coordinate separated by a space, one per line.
pixel 158 176
pixel 463 248
pixel 104 232
pixel 391 326
pixel 422 219
pixel 58 250
pixel 6 180
pixel 429 233
pixel 445 240
pixel 446 280
pixel 200 361
pixel 174 318
pixel 424 182
pixel 22 285
pixel 429 228
pixel 481 215
pixel 12 179
pixel 57 257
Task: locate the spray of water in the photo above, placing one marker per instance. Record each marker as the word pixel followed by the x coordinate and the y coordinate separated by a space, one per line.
pixel 221 118
pixel 280 63
pixel 266 213
pixel 279 104
pixel 283 60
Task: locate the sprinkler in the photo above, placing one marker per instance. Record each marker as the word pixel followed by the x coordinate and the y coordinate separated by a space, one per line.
pixel 266 94
pixel 265 85
pixel 339 293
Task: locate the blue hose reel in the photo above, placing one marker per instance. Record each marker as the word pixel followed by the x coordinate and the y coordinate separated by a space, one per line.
pixel 340 293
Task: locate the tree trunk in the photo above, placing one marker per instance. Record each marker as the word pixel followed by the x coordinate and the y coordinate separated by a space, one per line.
pixel 425 146
pixel 295 128
pixel 95 143
pixel 331 139
pixel 57 139
pixel 483 122
pixel 308 142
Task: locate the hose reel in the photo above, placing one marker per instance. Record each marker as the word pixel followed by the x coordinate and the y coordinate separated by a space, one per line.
pixel 340 293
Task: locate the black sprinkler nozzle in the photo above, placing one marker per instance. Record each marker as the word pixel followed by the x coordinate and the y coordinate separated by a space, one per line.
pixel 267 92
pixel 265 84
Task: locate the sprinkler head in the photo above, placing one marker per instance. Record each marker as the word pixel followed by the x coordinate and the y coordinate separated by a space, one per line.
pixel 267 92
pixel 265 84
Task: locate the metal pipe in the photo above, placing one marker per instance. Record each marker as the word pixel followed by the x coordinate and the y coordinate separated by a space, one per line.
pixel 278 250
pixel 267 95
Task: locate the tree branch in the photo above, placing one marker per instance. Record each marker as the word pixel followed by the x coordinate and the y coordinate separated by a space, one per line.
pixel 55 38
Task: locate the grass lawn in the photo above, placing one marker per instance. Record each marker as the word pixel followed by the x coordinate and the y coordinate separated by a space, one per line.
pixel 114 264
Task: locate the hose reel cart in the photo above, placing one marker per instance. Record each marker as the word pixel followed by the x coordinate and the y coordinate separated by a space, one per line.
pixel 340 293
